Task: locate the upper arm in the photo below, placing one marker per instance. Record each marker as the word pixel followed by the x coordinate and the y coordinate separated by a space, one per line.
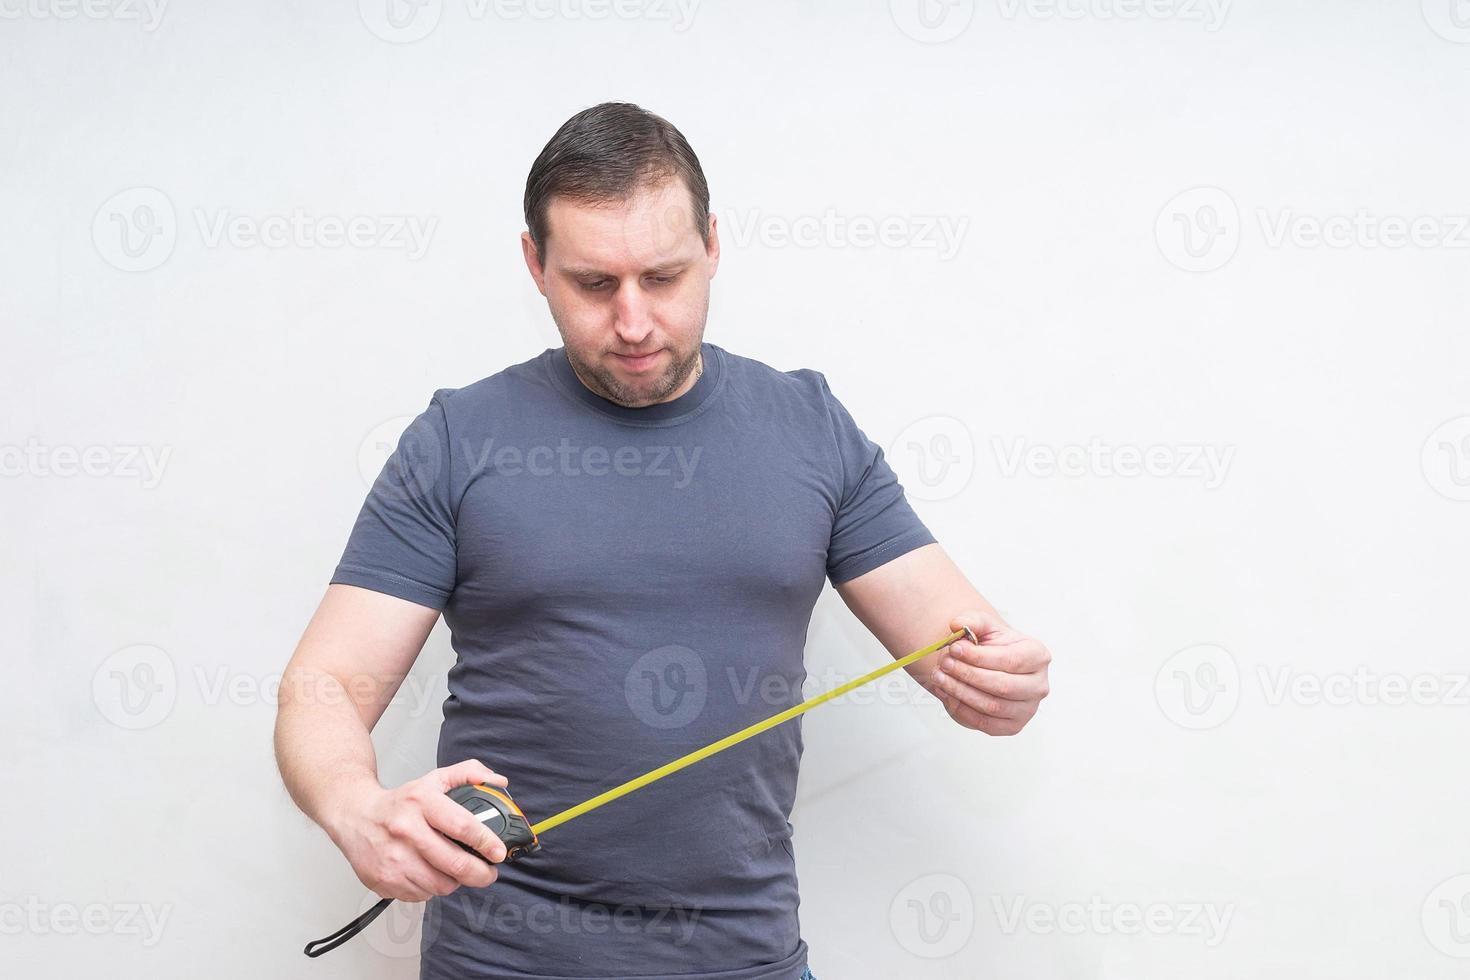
pixel 397 571
pixel 882 559
pixel 404 540
pixel 366 641
pixel 872 521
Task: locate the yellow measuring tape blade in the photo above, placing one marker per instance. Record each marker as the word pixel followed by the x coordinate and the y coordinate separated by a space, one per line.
pixel 729 740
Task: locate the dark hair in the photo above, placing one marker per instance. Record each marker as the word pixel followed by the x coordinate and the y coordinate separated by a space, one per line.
pixel 606 154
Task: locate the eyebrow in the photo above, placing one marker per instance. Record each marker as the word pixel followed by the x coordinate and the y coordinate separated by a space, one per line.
pixel 661 268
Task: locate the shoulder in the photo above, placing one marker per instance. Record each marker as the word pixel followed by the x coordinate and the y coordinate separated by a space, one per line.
pixel 796 388
pixel 488 397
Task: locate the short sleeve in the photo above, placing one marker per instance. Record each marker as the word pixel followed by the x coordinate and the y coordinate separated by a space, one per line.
pixel 403 542
pixel 874 523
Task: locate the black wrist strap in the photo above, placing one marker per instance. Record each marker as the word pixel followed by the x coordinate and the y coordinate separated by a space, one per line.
pixel 319 946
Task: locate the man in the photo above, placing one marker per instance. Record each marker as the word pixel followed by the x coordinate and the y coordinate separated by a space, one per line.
pixel 626 536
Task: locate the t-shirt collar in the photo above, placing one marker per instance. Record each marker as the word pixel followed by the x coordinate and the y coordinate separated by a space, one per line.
pixel 670 411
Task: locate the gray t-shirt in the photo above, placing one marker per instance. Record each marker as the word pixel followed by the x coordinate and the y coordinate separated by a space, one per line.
pixel 622 586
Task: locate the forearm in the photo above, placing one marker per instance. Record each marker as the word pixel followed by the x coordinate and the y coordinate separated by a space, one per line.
pixel 323 746
pixel 994 685
pixel 910 602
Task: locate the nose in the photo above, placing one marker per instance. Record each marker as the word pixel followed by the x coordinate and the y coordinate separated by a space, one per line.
pixel 632 316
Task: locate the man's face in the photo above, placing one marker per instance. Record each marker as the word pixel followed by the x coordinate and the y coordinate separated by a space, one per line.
pixel 628 286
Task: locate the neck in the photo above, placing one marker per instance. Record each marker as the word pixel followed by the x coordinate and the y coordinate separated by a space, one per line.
pixel 689 382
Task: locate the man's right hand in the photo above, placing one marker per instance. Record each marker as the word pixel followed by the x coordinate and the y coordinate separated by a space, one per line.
pixel 395 838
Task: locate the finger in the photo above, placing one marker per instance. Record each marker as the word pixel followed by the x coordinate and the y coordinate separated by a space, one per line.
pixel 454 821
pixel 454 863
pixel 1021 656
pixel 398 886
pixel 1001 685
pixel 982 622
pixel 970 718
pixel 404 890
pixel 430 881
pixel 467 772
pixel 980 701
pixel 434 852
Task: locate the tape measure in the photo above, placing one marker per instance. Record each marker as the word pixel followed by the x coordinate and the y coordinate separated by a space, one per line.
pixel 494 807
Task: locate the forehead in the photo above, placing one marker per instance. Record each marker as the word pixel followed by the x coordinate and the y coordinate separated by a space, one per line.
pixel 652 228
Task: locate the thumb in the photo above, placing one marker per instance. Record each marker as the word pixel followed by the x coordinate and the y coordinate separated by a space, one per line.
pixel 466 772
pixel 981 622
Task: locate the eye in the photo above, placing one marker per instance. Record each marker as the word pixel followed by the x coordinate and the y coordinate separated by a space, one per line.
pixel 593 287
pixel 662 280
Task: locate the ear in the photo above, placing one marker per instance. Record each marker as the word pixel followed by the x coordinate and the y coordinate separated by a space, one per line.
pixel 533 262
pixel 713 251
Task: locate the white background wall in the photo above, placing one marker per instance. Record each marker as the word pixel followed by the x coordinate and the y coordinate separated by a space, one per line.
pixel 1255 741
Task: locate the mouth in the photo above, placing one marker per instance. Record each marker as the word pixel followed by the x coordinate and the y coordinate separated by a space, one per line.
pixel 640 362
